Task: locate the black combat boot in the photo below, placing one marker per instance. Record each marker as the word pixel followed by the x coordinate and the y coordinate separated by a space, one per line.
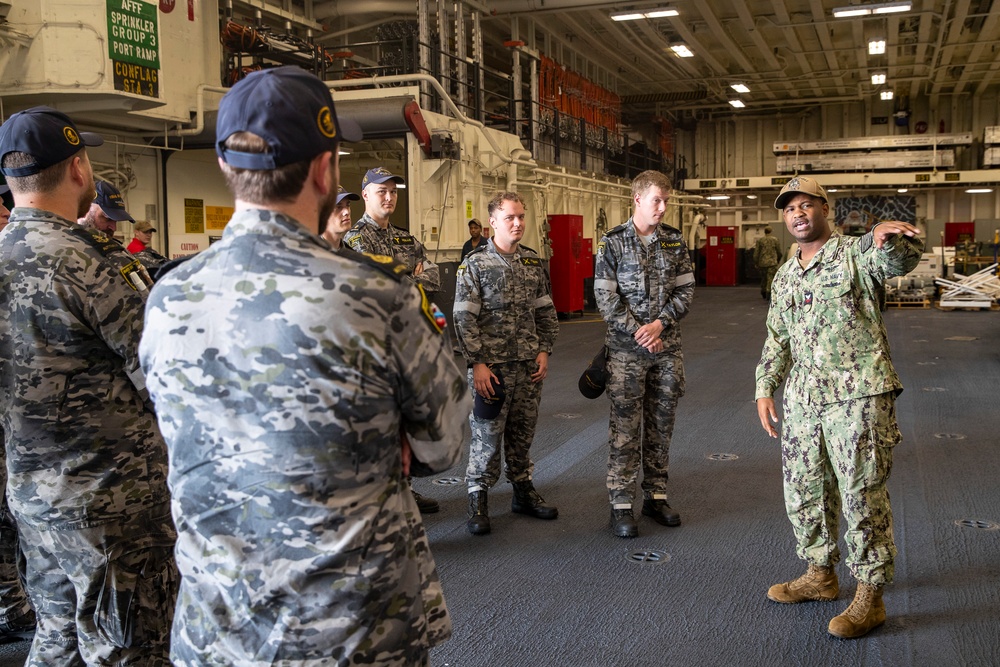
pixel 623 523
pixel 479 519
pixel 527 501
pixel 426 505
pixel 661 512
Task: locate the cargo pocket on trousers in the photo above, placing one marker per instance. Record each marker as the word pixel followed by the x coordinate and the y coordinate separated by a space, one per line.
pixel 136 600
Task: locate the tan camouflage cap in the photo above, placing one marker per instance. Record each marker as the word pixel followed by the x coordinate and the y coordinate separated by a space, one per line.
pixel 802 184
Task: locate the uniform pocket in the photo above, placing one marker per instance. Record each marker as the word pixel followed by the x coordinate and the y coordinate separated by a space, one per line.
pixel 136 603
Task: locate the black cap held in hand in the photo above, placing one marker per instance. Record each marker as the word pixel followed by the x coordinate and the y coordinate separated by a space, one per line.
pixel 489 408
pixel 595 379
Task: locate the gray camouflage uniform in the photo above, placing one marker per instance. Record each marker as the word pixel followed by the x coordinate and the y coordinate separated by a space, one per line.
pixel 635 284
pixel 85 461
pixel 367 236
pixel 504 316
pixel 15 609
pixel 825 334
pixel 283 374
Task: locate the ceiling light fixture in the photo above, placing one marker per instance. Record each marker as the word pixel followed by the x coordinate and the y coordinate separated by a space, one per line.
pixel 972 191
pixel 902 190
pixel 876 47
pixel 751 196
pixel 878 78
pixel 717 197
pixel 872 8
pixel 682 50
pixel 832 190
pixel 635 15
pixel 740 88
pixel 737 103
pixel 886 94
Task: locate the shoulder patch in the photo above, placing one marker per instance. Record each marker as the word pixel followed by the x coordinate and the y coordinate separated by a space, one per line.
pixel 524 247
pixel 428 310
pixel 133 271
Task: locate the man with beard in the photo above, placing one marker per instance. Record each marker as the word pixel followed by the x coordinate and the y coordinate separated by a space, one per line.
pixel 295 387
pixel 86 464
pixel 107 210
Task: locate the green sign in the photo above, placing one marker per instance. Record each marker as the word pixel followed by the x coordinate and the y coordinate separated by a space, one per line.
pixel 132 33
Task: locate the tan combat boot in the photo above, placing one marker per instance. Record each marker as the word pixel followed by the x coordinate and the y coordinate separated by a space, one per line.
pixel 818 583
pixel 866 613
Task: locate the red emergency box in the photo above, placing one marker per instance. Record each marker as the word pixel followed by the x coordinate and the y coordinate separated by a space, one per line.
pixel 566 234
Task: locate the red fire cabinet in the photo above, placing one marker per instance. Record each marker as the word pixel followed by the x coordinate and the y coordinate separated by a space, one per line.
pixel 566 233
pixel 720 256
pixel 955 232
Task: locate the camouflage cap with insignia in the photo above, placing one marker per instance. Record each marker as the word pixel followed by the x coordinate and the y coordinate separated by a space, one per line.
pixel 800 184
pixel 290 109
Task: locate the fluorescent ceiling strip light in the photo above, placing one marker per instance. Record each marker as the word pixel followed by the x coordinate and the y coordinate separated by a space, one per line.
pixel 682 50
pixel 635 15
pixel 717 197
pixel 740 88
pixel 972 191
pixel 737 103
pixel 874 8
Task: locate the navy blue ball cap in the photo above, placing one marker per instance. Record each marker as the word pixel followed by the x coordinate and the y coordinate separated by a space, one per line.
pixel 380 175
pixel 287 107
pixel 594 380
pixel 489 408
pixel 343 194
pixel 109 198
pixel 45 134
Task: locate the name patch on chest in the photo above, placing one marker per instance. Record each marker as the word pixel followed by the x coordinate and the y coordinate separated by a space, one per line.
pixel 402 240
pixel 531 261
pixel 668 244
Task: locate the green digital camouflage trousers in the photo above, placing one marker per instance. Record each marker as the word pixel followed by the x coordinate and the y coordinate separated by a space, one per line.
pixel 644 389
pixel 104 594
pixel 514 427
pixel 837 457
pixel 767 277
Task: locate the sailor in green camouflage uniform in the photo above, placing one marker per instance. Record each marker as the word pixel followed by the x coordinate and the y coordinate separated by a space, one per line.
pixel 506 324
pixel 766 257
pixel 644 285
pixel 827 341
pixel 85 461
pixel 294 387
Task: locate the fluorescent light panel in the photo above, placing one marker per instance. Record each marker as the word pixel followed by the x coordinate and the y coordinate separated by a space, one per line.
pixel 737 103
pixel 886 94
pixel 717 197
pixel 972 191
pixel 682 50
pixel 878 79
pixel 876 47
pixel 635 15
pixel 873 8
pixel 740 88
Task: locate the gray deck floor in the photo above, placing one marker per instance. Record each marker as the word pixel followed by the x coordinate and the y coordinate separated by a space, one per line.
pixel 567 593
